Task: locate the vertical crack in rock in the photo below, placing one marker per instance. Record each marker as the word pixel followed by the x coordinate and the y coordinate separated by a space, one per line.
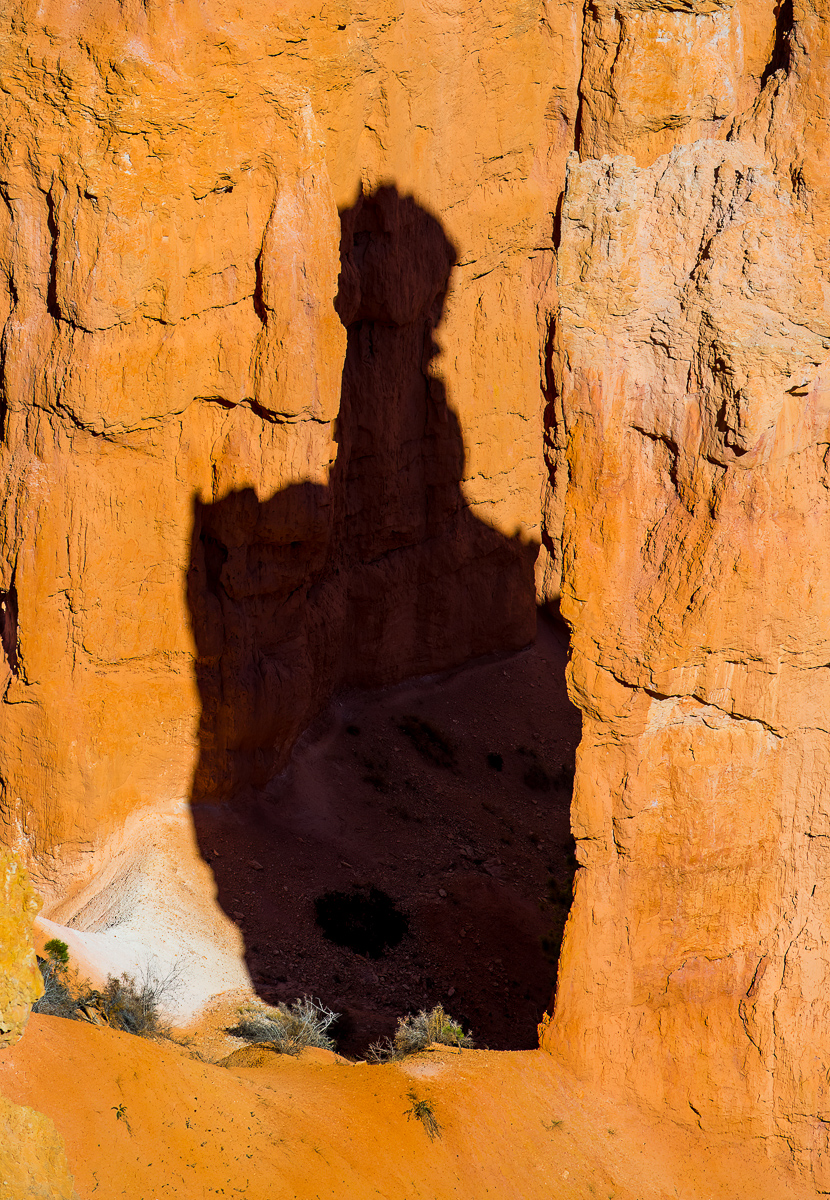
pixel 8 626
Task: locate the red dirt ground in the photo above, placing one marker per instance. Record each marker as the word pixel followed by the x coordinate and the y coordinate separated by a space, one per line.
pixel 478 859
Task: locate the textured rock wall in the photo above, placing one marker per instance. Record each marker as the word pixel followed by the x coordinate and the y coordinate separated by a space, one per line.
pixel 20 980
pixel 33 1162
pixel 276 315
pixel 692 428
pixel 170 332
pixel 657 75
pixel 192 516
pixel 32 1157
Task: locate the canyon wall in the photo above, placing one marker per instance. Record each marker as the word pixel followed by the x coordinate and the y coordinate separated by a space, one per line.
pixel 272 295
pixel 692 423
pixel 298 326
pixel 32 1157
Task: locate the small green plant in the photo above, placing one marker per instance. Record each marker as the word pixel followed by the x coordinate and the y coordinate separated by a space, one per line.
pixel 121 1115
pixel 57 952
pixel 421 1110
pixel 417 1033
pixel 288 1027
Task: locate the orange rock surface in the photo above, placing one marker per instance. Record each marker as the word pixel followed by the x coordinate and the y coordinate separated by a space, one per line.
pixel 181 404
pixel 297 323
pixel 693 423
pixel 32 1159
pixel 156 1123
pixel 20 981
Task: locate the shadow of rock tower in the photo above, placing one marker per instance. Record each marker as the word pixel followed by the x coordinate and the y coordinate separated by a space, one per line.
pixel 382 574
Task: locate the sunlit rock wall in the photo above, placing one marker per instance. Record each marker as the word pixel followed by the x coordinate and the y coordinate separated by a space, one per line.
pixel 692 424
pixel 210 473
pixel 284 373
pixel 20 981
pixel 32 1158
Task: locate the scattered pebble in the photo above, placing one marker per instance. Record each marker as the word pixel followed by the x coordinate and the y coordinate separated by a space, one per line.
pixel 442 893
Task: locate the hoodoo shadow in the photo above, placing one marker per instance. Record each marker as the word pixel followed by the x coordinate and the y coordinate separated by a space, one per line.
pixel 380 576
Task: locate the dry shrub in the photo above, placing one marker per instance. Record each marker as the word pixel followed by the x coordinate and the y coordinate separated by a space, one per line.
pixel 128 1003
pixel 416 1033
pixel 288 1027
pixel 422 1111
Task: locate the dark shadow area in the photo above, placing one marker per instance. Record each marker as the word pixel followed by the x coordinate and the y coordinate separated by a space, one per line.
pixel 364 920
pixel 8 627
pixel 781 52
pixel 381 576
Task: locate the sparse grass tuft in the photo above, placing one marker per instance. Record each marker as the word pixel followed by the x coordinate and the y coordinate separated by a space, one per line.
pixel 421 1110
pixel 289 1027
pixel 417 1033
pixel 551 1125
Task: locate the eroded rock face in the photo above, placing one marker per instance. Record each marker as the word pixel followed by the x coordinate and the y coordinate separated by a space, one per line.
pixel 659 74
pixel 276 298
pixel 20 979
pixel 32 1157
pixel 202 487
pixel 695 419
pixel 170 333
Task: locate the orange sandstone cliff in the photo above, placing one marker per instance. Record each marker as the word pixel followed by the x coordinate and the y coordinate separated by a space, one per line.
pixel 251 449
pixel 317 343
pixel 692 420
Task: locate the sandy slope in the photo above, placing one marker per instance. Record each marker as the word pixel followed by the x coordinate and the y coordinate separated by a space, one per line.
pixel 143 1121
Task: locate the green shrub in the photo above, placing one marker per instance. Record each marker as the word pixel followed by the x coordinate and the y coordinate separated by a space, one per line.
pixel 417 1033
pixel 57 951
pixel 288 1027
